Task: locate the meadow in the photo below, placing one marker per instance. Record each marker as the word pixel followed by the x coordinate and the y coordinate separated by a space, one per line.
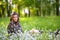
pixel 48 23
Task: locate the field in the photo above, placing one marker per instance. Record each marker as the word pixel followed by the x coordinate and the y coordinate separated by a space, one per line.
pixel 28 23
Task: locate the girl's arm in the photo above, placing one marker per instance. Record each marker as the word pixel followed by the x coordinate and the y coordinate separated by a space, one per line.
pixel 20 28
pixel 9 29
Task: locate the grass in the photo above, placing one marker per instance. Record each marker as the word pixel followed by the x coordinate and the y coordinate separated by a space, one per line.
pixel 27 23
pixel 41 23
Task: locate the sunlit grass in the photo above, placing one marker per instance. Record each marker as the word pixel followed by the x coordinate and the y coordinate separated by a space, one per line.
pixel 27 23
pixel 43 23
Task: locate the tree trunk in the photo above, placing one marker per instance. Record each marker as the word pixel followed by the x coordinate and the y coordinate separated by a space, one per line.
pixel 38 11
pixel 2 11
pixel 29 12
pixel 7 6
pixel 0 14
pixel 19 10
pixel 9 10
pixel 44 12
pixel 57 7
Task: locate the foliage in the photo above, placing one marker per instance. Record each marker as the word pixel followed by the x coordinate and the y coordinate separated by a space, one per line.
pixel 41 7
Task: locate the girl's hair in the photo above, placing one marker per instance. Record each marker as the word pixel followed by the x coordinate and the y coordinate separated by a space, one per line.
pixel 13 15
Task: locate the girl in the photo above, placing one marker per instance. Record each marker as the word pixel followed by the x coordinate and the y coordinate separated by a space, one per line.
pixel 14 26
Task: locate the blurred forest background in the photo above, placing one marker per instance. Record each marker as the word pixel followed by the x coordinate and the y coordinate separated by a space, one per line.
pixel 28 8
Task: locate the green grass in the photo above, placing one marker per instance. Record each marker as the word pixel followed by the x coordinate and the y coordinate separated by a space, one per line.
pixel 41 23
pixel 27 23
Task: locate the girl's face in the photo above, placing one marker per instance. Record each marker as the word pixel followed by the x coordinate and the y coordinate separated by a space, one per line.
pixel 15 18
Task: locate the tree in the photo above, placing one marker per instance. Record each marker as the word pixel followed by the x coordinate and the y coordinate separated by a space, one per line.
pixel 19 4
pixel 2 8
pixel 57 7
pixel 38 7
pixel 8 7
pixel 29 4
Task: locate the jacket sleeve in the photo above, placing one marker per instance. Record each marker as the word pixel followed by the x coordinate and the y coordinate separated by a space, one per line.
pixel 20 28
pixel 8 29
